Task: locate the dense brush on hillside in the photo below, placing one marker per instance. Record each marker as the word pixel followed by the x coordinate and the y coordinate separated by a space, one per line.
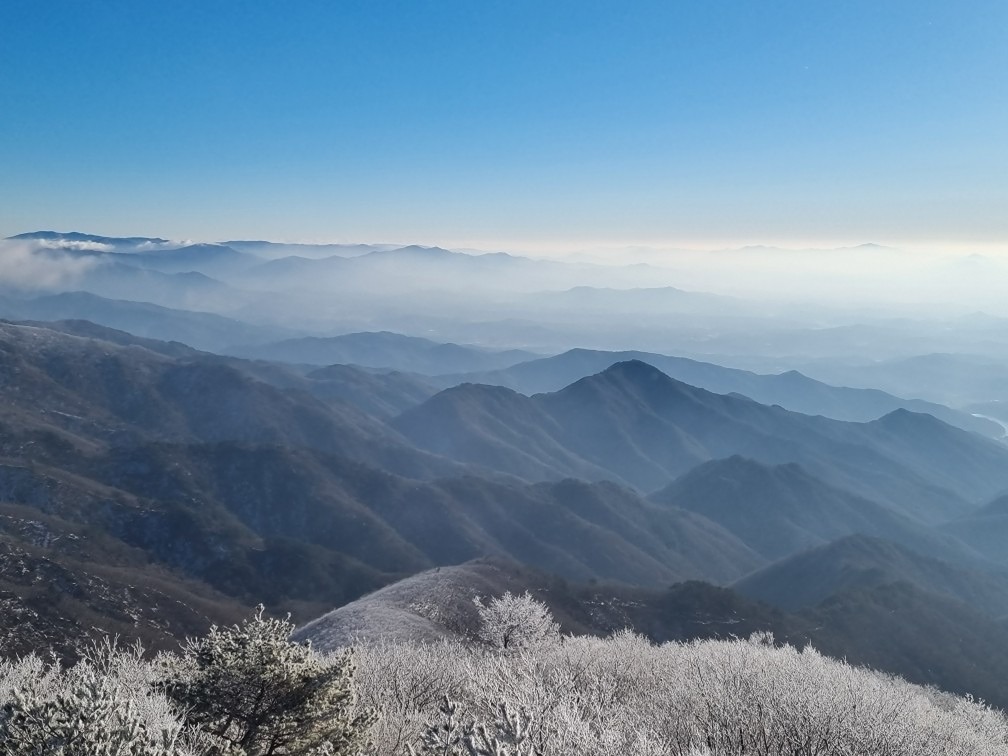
pixel 624 695
pixel 249 691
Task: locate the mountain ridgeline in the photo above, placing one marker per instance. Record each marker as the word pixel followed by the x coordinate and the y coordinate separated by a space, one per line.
pixel 633 424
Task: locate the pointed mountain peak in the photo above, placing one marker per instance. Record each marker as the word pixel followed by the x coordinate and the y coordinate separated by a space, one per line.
pixel 635 376
pixel 472 394
pixel 637 381
pixel 793 376
pixel 636 370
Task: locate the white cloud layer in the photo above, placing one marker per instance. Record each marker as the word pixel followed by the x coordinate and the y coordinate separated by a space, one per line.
pixel 25 265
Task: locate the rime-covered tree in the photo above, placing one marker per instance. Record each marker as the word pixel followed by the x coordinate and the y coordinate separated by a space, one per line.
pixel 101 706
pixel 256 693
pixel 516 622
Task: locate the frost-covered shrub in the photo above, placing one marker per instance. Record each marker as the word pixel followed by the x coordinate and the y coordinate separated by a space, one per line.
pixel 101 706
pixel 508 735
pixel 512 622
pixel 407 681
pixel 241 691
pixel 254 692
pixel 624 696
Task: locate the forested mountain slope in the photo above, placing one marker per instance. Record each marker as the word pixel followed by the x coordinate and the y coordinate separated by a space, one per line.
pixel 780 510
pixel 632 423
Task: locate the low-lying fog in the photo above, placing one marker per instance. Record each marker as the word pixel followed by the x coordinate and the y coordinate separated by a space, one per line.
pixel 866 315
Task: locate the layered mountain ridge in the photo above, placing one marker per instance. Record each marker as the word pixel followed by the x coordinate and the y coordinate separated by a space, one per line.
pixel 644 429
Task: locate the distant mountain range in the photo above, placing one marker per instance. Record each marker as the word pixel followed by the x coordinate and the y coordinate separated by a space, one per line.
pixel 791 390
pixel 411 267
pixel 76 237
pixel 327 268
pixel 445 365
pixel 510 301
pixel 268 250
pixel 210 259
pixel 202 330
pixel 960 378
pixel 384 350
pixel 634 424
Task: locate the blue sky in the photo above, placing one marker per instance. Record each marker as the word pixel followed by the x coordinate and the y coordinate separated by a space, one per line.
pixel 520 125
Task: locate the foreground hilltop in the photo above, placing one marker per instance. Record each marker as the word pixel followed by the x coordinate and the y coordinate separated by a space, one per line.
pixel 512 687
pixel 867 618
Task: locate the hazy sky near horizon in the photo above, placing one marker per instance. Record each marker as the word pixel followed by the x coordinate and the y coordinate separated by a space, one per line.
pixel 519 125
